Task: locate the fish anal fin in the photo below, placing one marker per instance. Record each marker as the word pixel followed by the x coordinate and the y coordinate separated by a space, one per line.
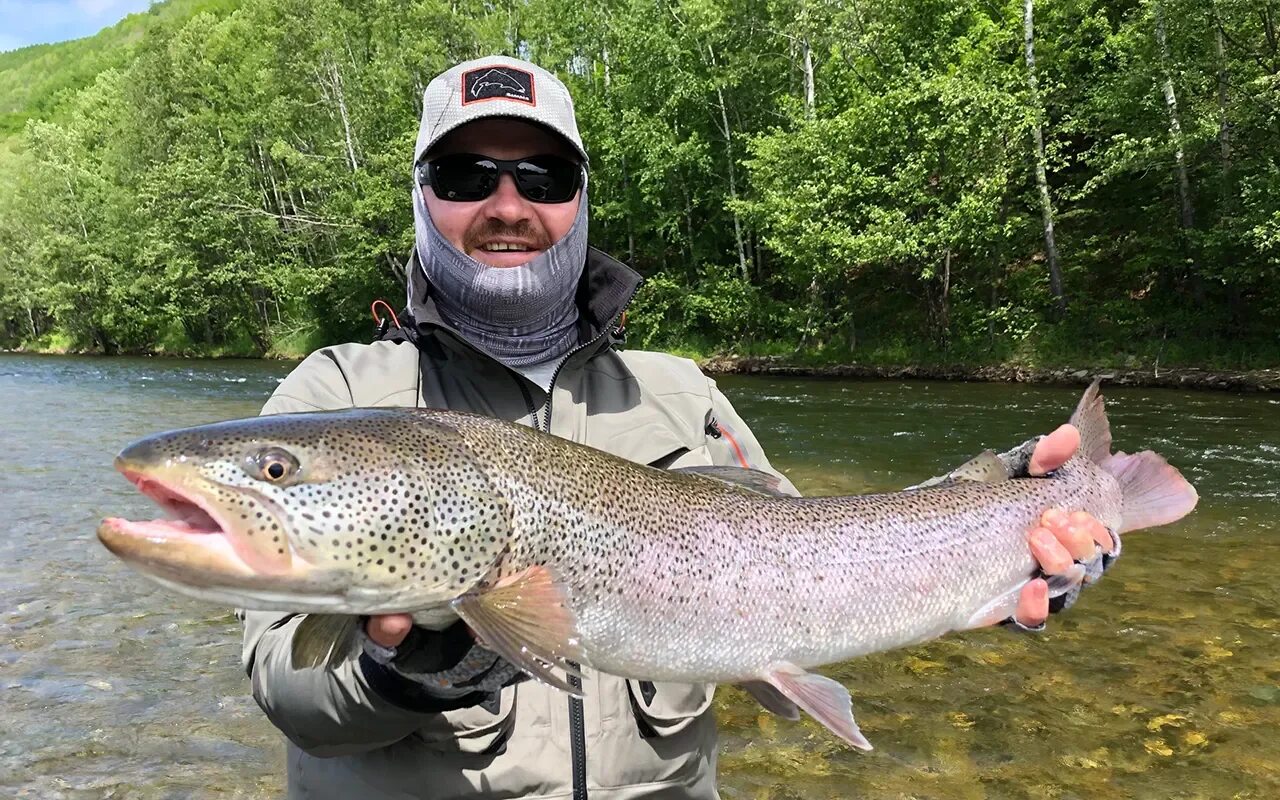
pixel 754 479
pixel 324 640
pixel 1090 418
pixel 525 618
pixel 1155 493
pixel 1004 606
pixel 772 699
pixel 821 698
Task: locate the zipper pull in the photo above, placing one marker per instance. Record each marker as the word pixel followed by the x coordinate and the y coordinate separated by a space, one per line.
pixel 713 428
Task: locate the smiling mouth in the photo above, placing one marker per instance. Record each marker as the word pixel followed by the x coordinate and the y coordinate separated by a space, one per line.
pixel 507 247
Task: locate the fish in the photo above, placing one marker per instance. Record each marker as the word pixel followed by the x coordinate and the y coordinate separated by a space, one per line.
pixel 560 556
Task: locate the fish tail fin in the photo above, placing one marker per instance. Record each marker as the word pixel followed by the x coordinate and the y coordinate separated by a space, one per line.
pixel 1154 492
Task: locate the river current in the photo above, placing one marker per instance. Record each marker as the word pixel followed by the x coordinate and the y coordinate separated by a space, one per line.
pixel 1163 682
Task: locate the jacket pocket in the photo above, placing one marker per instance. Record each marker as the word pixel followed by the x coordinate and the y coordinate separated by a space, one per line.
pixel 475 730
pixel 664 709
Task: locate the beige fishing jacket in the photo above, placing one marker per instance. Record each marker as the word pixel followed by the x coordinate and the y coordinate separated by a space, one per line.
pixel 642 740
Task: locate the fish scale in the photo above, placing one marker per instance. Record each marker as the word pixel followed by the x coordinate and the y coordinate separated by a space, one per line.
pixel 556 554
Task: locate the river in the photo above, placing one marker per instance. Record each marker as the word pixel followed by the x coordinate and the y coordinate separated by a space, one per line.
pixel 1163 682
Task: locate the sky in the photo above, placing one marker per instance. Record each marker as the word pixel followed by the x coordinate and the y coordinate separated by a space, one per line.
pixel 42 21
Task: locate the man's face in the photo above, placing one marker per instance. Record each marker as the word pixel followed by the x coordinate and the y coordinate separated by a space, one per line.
pixel 487 229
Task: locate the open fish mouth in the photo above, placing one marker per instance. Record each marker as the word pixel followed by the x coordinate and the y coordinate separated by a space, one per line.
pixel 193 539
pixel 185 516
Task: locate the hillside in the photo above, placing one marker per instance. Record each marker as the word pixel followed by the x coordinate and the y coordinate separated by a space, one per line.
pixel 32 78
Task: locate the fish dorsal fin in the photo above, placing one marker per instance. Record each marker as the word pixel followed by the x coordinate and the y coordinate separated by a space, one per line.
pixel 754 479
pixel 525 618
pixel 324 640
pixel 985 467
pixel 1090 418
pixel 822 698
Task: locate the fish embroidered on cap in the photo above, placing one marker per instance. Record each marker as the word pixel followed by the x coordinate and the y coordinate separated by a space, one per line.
pixel 498 83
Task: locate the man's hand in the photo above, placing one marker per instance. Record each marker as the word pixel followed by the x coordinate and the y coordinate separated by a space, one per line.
pixel 389 630
pixel 1060 538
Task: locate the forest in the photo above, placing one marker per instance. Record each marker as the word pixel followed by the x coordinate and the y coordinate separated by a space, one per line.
pixel 888 181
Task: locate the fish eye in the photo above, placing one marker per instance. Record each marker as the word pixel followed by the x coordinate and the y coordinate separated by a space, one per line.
pixel 273 465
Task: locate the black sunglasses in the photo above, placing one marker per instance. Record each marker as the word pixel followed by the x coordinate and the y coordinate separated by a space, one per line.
pixel 467 177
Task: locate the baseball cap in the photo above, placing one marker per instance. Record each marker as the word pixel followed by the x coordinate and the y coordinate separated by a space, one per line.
pixel 495 86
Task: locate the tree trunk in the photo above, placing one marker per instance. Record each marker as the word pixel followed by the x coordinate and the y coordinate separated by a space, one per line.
pixel 340 99
pixel 733 180
pixel 733 185
pixel 944 307
pixel 1187 216
pixel 809 90
pixel 1042 178
pixel 1224 126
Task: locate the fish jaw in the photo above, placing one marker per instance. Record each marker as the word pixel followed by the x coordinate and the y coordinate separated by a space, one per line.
pixel 198 544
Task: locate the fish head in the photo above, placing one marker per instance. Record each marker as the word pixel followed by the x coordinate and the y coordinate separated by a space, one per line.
pixel 361 511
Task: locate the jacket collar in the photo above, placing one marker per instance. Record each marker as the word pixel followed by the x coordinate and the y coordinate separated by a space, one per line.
pixel 604 290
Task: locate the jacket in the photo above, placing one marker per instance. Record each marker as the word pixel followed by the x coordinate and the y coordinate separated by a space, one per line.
pixel 351 738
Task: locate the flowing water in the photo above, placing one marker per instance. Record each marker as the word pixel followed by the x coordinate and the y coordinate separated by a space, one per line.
pixel 1163 682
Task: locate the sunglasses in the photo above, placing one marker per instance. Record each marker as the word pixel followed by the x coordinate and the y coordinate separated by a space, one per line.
pixel 467 177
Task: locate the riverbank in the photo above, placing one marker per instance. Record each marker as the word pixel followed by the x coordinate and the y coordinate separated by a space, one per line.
pixel 1256 380
pixel 1259 380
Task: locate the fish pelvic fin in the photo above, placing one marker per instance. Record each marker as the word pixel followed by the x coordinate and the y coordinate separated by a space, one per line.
pixel 1090 418
pixel 324 640
pixel 1155 493
pixel 525 618
pixel 822 698
pixel 772 699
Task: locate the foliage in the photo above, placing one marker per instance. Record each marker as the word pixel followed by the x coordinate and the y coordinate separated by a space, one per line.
pixel 837 180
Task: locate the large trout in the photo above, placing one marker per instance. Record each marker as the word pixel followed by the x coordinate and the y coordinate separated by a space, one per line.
pixel 556 554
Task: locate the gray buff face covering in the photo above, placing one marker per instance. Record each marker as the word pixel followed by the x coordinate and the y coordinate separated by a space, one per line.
pixel 520 315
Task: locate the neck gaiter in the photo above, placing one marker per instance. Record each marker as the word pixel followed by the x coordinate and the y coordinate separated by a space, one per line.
pixel 520 315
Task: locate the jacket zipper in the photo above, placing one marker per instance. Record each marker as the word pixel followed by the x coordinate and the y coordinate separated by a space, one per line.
pixel 577 723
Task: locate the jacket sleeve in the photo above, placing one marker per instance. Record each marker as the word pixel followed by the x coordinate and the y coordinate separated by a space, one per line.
pixel 325 712
pixel 732 444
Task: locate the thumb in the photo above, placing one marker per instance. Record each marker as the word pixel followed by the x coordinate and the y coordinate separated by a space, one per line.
pixel 1052 451
pixel 389 630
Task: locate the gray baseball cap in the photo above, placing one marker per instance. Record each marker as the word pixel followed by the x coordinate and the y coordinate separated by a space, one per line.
pixel 495 86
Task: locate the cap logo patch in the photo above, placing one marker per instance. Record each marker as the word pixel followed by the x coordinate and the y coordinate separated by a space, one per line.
pixel 498 83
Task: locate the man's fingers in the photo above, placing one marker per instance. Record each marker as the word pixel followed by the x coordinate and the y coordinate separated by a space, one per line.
pixel 1096 529
pixel 1074 531
pixel 389 630
pixel 1053 450
pixel 1053 557
pixel 1033 604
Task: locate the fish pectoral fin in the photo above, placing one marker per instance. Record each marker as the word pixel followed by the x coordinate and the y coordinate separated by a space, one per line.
pixel 324 640
pixel 822 698
pixel 772 699
pixel 525 618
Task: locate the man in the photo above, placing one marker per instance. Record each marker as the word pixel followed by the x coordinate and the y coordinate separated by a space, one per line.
pixel 515 317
